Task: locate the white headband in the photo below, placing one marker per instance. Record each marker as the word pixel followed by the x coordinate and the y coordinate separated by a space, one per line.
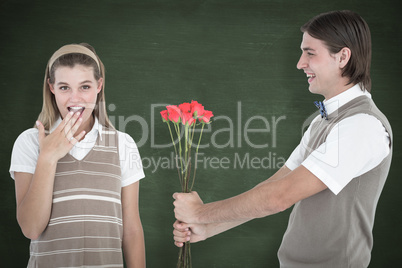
pixel 68 49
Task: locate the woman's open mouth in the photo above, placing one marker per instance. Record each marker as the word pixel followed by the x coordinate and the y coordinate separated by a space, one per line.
pixel 76 109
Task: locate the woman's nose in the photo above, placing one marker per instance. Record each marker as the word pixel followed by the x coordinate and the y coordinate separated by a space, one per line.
pixel 75 95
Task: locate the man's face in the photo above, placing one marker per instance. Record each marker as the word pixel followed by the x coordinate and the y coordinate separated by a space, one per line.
pixel 323 69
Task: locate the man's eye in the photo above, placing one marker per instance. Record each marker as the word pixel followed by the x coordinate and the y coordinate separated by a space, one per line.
pixel 310 54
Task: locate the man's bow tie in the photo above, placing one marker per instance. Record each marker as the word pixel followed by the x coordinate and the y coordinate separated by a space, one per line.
pixel 321 107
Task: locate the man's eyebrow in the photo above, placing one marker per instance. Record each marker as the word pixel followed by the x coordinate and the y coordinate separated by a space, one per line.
pixel 308 49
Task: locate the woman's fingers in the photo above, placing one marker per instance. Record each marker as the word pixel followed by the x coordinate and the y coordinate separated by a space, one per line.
pixel 41 130
pixel 72 125
pixel 63 123
pixel 77 138
pixel 75 127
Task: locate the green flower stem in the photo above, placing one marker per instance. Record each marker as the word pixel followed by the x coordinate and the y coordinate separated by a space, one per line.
pixel 191 140
pixel 175 150
pixel 177 128
pixel 171 136
pixel 184 260
pixel 186 158
pixel 196 156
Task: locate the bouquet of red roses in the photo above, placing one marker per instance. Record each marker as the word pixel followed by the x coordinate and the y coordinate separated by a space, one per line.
pixel 184 118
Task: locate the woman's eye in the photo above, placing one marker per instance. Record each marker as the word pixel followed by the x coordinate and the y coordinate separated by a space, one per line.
pixel 64 88
pixel 85 87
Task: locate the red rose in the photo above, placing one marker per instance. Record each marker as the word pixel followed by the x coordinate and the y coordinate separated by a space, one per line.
pixel 164 115
pixel 206 117
pixel 174 113
pixel 197 109
pixel 185 107
pixel 187 118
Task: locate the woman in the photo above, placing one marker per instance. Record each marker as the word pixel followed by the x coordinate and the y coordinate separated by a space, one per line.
pixel 76 191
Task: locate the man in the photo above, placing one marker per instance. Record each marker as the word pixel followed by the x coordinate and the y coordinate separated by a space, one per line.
pixel 336 174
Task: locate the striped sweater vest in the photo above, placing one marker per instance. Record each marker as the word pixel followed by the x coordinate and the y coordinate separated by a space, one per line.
pixel 328 230
pixel 85 227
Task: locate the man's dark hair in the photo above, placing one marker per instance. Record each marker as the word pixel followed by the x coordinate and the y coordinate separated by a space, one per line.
pixel 339 29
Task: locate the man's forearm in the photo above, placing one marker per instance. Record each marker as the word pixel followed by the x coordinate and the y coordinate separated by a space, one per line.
pixel 220 227
pixel 270 197
pixel 264 199
pixel 255 203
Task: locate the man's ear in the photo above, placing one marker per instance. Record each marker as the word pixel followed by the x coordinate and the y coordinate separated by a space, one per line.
pixel 344 56
pixel 50 86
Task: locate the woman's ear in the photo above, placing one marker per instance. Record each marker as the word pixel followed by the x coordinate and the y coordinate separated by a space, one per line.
pixel 344 56
pixel 50 86
pixel 100 84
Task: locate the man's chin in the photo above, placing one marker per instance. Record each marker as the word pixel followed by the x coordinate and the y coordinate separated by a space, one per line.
pixel 314 90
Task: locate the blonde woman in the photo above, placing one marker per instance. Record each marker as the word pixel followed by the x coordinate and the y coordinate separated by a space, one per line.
pixel 76 191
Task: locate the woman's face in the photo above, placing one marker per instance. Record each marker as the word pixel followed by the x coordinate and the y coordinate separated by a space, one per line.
pixel 76 90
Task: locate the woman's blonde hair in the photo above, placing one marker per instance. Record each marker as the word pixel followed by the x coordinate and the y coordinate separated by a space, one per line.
pixel 50 112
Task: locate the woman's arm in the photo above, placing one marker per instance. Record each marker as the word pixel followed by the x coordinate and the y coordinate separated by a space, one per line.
pixel 34 192
pixel 133 235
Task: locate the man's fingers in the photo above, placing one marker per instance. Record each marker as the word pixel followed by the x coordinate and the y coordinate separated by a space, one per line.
pixel 182 195
pixel 180 226
pixel 183 235
pixel 178 244
pixel 180 239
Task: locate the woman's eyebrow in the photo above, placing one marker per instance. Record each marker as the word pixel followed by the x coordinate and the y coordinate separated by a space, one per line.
pixel 86 82
pixel 62 83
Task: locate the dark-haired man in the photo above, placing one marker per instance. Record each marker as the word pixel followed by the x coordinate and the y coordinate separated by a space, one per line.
pixel 334 177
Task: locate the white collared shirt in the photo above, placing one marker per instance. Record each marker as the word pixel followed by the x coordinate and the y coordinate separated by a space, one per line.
pixel 26 152
pixel 354 146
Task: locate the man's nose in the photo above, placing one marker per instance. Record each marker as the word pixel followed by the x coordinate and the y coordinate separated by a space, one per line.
pixel 302 63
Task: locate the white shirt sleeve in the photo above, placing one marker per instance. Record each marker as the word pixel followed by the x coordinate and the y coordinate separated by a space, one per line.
pixel 130 160
pixel 25 152
pixel 297 156
pixel 354 146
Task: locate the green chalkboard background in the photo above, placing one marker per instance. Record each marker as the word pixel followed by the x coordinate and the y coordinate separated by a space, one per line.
pixel 236 57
